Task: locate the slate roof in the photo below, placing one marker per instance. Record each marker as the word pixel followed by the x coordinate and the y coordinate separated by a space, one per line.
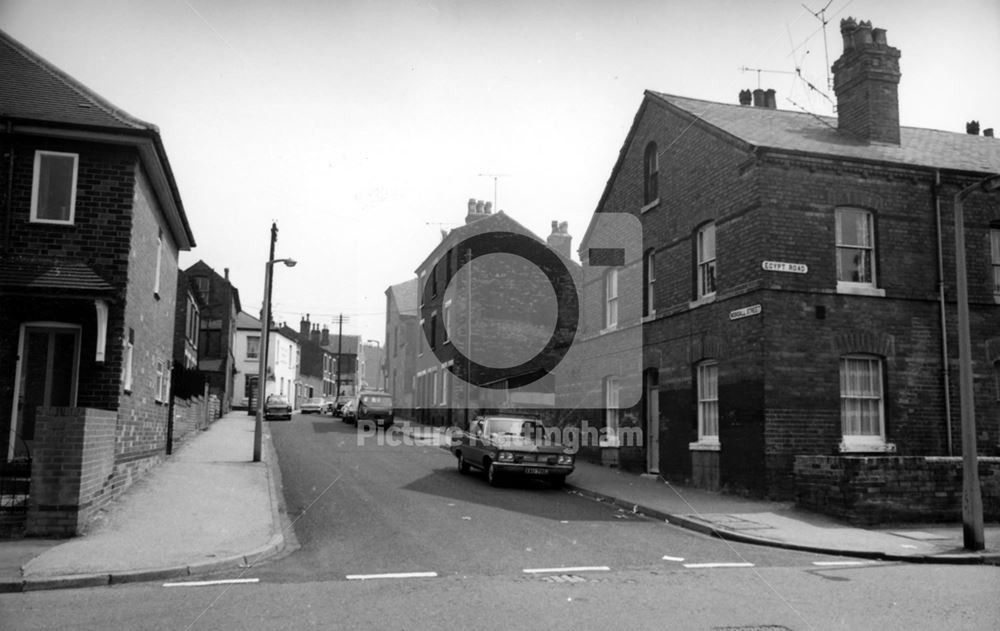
pixel 405 295
pixel 35 89
pixel 52 274
pixel 808 133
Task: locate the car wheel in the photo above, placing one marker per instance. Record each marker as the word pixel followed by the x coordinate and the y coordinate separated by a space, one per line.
pixel 557 481
pixel 492 475
pixel 463 466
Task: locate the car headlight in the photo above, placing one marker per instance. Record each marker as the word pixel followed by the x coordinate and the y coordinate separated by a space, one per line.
pixel 505 456
pixel 565 459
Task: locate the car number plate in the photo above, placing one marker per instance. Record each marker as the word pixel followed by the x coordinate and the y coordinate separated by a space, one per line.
pixel 535 471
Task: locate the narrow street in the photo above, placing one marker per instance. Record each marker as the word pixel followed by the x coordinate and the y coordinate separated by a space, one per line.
pixel 459 553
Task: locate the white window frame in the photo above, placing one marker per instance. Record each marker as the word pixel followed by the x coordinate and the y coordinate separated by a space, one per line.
pixel 255 355
pixel 867 245
pixel 421 338
pixel 127 356
pixel 707 266
pixel 446 321
pixel 707 392
pixel 650 173
pixel 36 187
pixel 855 391
pixel 612 412
pixel 650 265
pixel 158 389
pixel 611 298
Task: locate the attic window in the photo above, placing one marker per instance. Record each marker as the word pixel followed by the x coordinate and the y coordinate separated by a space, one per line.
pixel 53 189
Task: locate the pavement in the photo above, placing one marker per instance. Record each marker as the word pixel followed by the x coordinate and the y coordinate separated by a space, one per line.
pixel 208 508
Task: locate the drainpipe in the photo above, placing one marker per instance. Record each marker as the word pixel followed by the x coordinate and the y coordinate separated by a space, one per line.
pixel 944 321
pixel 9 192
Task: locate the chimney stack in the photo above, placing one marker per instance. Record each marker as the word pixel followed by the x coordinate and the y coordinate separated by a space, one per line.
pixel 746 97
pixel 314 334
pixel 226 272
pixel 304 326
pixel 478 209
pixel 866 81
pixel 560 240
pixel 324 336
pixel 972 128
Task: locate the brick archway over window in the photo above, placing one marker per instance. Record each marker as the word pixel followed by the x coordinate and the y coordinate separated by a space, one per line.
pixel 860 341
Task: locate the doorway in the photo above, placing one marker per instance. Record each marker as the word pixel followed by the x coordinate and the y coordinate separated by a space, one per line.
pixel 46 375
pixel 652 411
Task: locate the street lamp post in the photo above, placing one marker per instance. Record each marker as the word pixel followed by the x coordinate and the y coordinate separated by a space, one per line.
pixel 972 499
pixel 265 333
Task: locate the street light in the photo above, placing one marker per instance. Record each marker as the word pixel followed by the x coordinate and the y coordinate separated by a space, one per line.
pixel 265 334
pixel 972 498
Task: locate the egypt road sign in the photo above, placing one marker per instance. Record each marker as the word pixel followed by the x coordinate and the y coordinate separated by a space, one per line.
pixel 778 266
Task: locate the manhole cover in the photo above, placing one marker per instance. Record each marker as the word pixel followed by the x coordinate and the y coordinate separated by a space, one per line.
pixel 564 578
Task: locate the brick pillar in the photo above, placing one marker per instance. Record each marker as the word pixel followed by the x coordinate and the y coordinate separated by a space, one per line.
pixel 74 455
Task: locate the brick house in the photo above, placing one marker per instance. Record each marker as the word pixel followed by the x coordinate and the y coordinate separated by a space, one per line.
pixel 220 305
pixel 798 280
pixel 344 349
pixel 316 366
pixel 401 320
pixel 93 223
pixel 510 327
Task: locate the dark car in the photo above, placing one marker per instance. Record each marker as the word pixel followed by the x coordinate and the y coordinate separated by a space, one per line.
pixel 338 404
pixel 512 445
pixel 374 407
pixel 277 407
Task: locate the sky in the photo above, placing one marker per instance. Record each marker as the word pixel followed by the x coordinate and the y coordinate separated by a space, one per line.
pixel 362 128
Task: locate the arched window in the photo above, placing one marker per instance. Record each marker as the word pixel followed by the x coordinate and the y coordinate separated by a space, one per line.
pixel 862 408
pixel 651 174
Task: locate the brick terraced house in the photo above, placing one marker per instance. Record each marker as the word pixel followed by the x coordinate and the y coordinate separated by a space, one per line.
pixel 92 226
pixel 798 283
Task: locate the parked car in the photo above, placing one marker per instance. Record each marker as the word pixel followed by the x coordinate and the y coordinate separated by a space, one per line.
pixel 347 411
pixel 338 404
pixel 328 404
pixel 373 406
pixel 511 445
pixel 313 405
pixel 277 407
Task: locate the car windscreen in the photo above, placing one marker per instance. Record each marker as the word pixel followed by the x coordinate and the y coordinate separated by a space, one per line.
pixel 513 426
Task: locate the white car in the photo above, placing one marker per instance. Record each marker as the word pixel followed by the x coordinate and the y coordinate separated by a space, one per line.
pixel 312 406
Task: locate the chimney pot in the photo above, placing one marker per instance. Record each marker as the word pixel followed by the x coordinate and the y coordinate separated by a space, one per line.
pixel 479 206
pixel 878 36
pixel 758 97
pixel 972 128
pixel 489 207
pixel 866 82
pixel 746 97
pixel 847 26
pixel 770 99
pixel 225 272
pixel 988 132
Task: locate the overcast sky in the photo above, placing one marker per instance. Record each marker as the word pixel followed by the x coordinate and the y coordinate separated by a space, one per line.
pixel 363 128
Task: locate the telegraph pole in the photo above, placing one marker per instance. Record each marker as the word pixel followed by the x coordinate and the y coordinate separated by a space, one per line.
pixel 340 341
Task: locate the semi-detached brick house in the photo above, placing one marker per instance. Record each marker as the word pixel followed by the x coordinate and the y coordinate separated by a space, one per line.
pixel 92 225
pixel 798 279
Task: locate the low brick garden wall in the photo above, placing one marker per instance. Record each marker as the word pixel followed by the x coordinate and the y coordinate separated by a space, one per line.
pixel 867 490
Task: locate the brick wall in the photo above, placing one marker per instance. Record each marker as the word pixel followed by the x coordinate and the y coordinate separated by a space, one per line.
pixel 192 416
pixel 871 490
pixel 72 469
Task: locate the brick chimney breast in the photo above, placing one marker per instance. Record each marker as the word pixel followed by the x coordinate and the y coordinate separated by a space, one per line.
pixel 866 82
pixel 324 339
pixel 304 326
pixel 560 240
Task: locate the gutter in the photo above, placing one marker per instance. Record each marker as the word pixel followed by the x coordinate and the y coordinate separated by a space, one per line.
pixel 946 376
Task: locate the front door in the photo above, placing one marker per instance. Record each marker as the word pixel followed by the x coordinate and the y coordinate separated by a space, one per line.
pixel 652 424
pixel 46 376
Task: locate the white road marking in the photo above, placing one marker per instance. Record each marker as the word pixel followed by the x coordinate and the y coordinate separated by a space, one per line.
pixel 586 568
pixel 709 565
pixel 228 581
pixel 835 563
pixel 364 577
pixel 678 559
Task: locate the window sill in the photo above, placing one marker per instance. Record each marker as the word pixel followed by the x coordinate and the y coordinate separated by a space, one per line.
pixel 859 290
pixel 704 300
pixel 872 445
pixel 610 329
pixel 705 445
pixel 649 317
pixel 650 206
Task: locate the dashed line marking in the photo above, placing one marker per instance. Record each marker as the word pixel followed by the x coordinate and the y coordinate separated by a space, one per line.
pixel 586 568
pixel 713 565
pixel 227 581
pixel 365 577
pixel 835 563
pixel 669 558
